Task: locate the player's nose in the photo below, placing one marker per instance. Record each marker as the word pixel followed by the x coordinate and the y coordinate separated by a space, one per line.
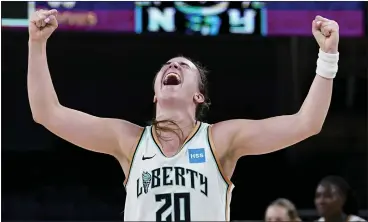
pixel 174 65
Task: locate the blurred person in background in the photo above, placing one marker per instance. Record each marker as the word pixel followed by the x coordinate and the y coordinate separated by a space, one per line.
pixel 178 169
pixel 335 201
pixel 282 210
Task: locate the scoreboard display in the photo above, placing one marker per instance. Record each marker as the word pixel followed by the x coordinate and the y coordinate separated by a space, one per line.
pixel 78 15
pixel 194 18
pixel 294 18
pixel 93 16
pixel 201 18
pixel 14 10
pixel 247 18
pixel 15 14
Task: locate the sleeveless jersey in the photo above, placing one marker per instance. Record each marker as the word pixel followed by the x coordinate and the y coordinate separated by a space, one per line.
pixel 189 186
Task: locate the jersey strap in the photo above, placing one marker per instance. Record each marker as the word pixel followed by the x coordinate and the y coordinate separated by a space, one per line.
pixel 139 139
pixel 230 185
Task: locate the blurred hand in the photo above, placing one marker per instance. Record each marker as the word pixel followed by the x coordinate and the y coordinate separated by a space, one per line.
pixel 326 32
pixel 42 24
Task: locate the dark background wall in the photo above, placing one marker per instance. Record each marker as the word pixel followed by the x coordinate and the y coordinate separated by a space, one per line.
pixel 111 75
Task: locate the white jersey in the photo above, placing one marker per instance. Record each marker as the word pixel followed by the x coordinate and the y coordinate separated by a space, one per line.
pixel 350 218
pixel 189 186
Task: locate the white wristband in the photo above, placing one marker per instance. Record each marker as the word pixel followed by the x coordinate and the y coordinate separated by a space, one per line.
pixel 327 64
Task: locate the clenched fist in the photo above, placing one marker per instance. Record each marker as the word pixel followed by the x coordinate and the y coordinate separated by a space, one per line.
pixel 41 25
pixel 326 32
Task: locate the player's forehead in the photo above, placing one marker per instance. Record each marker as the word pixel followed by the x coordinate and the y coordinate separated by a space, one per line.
pixel 276 209
pixel 183 60
pixel 327 188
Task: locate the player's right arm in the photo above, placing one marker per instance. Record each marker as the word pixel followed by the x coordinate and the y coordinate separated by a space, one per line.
pixel 104 135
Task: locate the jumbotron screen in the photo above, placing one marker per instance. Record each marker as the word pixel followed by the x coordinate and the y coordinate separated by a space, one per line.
pixel 201 18
pixel 193 18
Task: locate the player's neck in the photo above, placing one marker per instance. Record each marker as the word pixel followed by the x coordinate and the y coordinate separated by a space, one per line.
pixel 172 140
pixel 183 117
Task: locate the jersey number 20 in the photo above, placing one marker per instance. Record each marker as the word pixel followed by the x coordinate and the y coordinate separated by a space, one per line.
pixel 181 206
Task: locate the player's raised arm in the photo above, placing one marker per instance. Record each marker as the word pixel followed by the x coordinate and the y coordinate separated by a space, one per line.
pixel 251 137
pixel 110 136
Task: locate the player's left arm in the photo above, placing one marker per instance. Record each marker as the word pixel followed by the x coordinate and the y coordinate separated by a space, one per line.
pixel 252 137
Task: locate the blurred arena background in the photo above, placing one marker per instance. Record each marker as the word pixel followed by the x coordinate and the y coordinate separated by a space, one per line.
pixel 103 58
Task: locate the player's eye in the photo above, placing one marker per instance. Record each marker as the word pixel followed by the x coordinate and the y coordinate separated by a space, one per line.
pixel 183 64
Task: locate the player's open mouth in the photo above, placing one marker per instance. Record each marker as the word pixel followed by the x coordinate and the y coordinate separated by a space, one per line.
pixel 172 79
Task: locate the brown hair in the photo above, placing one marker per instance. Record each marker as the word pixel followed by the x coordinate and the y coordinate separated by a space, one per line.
pixel 289 206
pixel 201 109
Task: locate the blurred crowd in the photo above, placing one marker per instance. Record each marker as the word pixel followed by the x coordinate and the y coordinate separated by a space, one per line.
pixel 334 200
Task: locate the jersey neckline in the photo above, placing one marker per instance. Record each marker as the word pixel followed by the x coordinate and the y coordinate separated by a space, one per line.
pixel 159 146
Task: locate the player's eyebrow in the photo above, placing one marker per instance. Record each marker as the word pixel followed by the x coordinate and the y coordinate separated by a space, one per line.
pixel 180 62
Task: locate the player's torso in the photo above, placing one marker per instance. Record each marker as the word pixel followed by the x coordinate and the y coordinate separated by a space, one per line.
pixel 185 187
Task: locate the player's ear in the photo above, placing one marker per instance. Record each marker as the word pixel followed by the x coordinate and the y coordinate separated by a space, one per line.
pixel 154 99
pixel 198 98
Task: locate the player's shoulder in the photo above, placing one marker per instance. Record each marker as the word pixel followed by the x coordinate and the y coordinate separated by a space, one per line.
pixel 354 218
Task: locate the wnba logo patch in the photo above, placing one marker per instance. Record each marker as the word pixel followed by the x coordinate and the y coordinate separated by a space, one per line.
pixel 196 155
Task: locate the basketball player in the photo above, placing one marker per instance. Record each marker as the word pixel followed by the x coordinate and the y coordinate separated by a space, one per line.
pixel 282 210
pixel 179 168
pixel 335 201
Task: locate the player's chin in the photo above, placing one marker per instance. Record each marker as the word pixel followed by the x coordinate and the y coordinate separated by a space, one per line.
pixel 172 95
pixel 175 96
pixel 322 211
